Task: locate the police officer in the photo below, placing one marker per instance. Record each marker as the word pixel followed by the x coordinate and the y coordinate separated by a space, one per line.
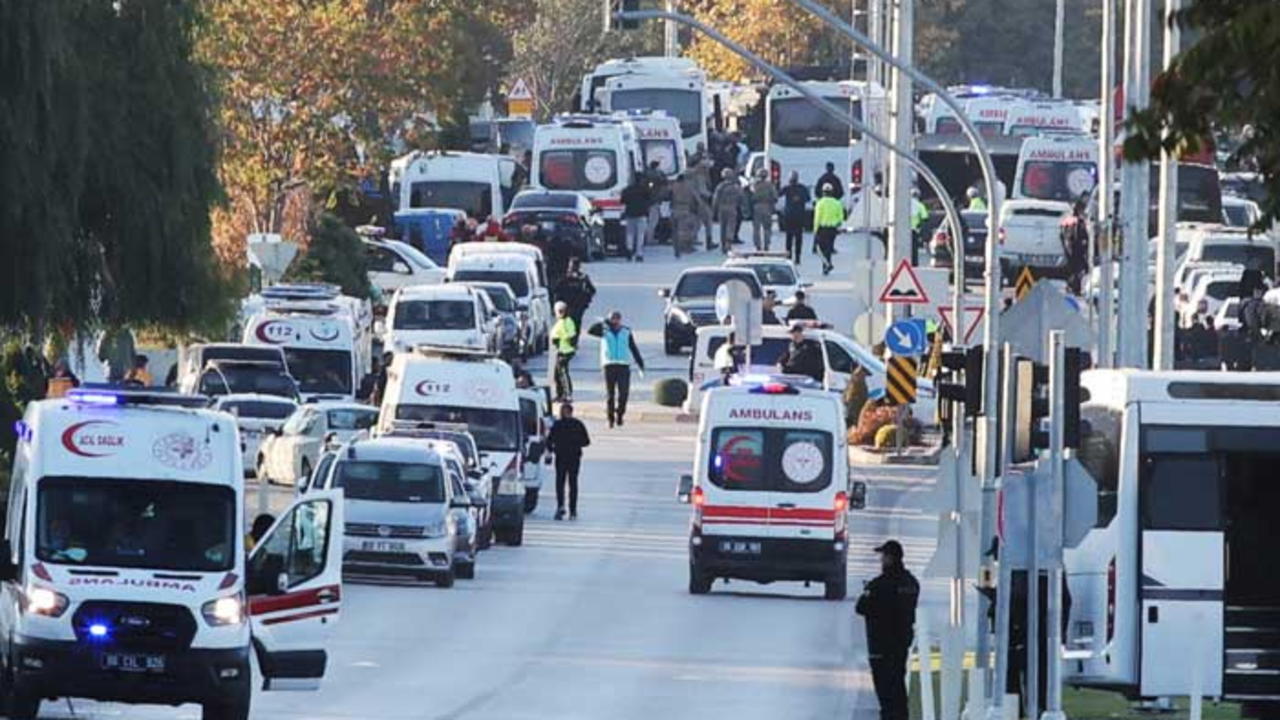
pixel 889 605
pixel 802 356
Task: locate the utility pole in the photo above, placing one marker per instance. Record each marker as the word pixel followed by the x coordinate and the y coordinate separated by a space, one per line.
pixel 1135 193
pixel 902 133
pixel 671 33
pixel 1165 251
pixel 1058 22
pixel 1057 440
pixel 1102 229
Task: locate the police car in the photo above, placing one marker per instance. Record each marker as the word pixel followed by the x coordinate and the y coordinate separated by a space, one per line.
pixel 124 569
pixel 770 488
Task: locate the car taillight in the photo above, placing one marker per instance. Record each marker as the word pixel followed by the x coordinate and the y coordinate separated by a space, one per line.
pixel 1111 599
pixel 699 497
pixel 941 239
pixel 856 173
pixel 775 172
pixel 571 219
pixel 841 507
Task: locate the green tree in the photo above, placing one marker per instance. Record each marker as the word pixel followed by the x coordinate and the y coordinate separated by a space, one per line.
pixel 1229 78
pixel 335 255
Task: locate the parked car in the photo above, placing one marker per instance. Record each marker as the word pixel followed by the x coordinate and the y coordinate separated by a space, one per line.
pixel 561 217
pixel 294 451
pixel 256 417
pixel 393 264
pixel 691 303
pixel 512 328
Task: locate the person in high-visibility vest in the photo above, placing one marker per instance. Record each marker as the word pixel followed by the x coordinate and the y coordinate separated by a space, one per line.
pixel 976 201
pixel 828 216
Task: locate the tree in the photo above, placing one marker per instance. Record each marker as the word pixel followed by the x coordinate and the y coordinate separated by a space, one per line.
pixel 564 42
pixel 777 30
pixel 1228 79
pixel 335 255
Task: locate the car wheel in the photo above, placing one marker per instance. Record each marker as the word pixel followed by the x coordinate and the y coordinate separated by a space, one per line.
pixel 237 709
pixel 445 580
pixel 485 541
pixel 466 571
pixel 530 500
pixel 699 580
pixel 836 588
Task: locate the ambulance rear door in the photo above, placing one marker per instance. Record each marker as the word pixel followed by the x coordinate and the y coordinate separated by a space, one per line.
pixel 736 498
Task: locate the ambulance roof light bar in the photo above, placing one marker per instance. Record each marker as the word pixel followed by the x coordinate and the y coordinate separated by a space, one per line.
pixel 111 396
pixel 458 352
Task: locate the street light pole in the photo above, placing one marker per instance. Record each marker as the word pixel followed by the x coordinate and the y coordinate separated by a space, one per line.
pixel 1102 228
pixel 1058 22
pixel 1135 194
pixel 901 133
pixel 1165 250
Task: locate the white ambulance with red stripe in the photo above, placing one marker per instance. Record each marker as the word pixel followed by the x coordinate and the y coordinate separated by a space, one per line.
pixel 124 571
pixel 770 486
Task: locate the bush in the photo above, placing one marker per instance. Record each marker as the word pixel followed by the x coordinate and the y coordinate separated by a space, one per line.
pixel 335 255
pixel 670 392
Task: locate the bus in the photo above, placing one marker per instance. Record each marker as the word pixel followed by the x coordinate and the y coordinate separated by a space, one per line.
pixel 681 95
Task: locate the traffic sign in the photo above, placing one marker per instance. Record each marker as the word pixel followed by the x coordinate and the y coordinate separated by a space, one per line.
pixel 904 287
pixel 520 100
pixel 900 381
pixel 973 315
pixel 905 337
pixel 1026 281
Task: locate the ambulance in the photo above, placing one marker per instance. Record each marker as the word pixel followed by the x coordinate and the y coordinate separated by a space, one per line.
pixel 1043 118
pixel 989 113
pixel 595 155
pixel 770 488
pixel 681 96
pixel 1053 173
pixel 323 349
pixel 465 387
pixel 660 142
pixel 124 568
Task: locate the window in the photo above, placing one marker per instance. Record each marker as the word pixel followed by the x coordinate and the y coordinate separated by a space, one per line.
pixel 773 274
pixel 838 360
pixel 223 379
pixel 129 523
pixel 1066 181
pixel 545 201
pixel 578 169
pixel 683 105
pixel 737 459
pixel 325 372
pixel 1256 257
pixel 473 198
pixel 1099 453
pixel 379 259
pixel 351 419
pixel 516 280
pixel 770 460
pixel 258 409
pixel 501 297
pixel 301 422
pixel 665 152
pixel 493 429
pixel 435 315
pixel 705 284
pixel 796 122
pixel 1182 492
pixel 530 417
pixel 298 547
pixel 768 353
pixel 390 481
pixel 949 126
pixel 317 478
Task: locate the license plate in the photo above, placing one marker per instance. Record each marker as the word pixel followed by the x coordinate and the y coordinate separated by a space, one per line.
pixel 1042 260
pixel 739 547
pixel 382 546
pixel 133 663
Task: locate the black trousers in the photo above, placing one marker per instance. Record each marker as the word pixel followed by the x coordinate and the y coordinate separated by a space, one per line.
pixel 825 238
pixel 567 467
pixel 889 675
pixel 617 385
pixel 795 242
pixel 564 383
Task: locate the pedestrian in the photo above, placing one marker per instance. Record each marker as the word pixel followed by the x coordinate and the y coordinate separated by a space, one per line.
pixel 800 308
pixel 117 351
pixel 828 216
pixel 976 202
pixel 461 232
pixel 795 201
pixel 684 215
pixel 659 193
pixel 726 203
pixel 729 358
pixel 919 216
pixel 700 177
pixel 618 352
pixel 888 605
pixel 380 386
pixel 369 383
pixel 567 438
pixel 521 374
pixel 635 216
pixel 565 336
pixel 576 290
pixel 768 308
pixel 61 381
pixel 491 231
pixel 138 375
pixel 829 180
pixel 802 356
pixel 764 203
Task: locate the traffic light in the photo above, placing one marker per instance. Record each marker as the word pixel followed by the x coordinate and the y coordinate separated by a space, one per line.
pixel 1031 409
pixel 949 387
pixel 612 7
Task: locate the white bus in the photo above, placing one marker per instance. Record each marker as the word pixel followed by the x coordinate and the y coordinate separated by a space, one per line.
pixel 1175 578
pixel 591 95
pixel 681 95
pixel 800 137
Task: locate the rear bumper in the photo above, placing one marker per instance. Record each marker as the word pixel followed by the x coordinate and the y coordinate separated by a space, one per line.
pixel 508 511
pixel 55 668
pixel 779 559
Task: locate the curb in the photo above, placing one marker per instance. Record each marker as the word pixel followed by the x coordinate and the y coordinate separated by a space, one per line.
pixel 916 456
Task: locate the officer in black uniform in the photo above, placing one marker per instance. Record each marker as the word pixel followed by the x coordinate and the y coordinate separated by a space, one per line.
pixel 889 605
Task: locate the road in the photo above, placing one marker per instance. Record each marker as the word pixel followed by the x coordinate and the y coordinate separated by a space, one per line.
pixel 591 618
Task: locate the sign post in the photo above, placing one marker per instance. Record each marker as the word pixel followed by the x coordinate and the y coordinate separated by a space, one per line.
pixel 520 100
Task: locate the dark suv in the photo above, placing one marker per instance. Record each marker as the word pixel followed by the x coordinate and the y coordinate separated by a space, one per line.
pixel 691 303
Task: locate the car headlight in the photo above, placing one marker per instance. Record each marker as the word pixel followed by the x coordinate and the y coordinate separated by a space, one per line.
pixel 223 611
pixel 437 529
pixel 46 602
pixel 680 316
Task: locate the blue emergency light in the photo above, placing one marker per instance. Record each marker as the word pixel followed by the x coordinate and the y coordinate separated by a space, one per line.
pixel 98 630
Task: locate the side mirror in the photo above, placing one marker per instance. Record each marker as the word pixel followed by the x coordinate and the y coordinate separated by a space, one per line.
pixel 401 267
pixel 858 495
pixel 331 440
pixel 460 501
pixel 282 583
pixel 664 293
pixel 684 489
pixel 8 569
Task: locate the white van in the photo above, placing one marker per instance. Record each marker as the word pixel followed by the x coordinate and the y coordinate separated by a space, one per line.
pixel 194 359
pixel 124 567
pixel 660 142
pixel 1177 565
pixel 480 185
pixel 1053 173
pixel 322 349
pixel 770 487
pixel 520 273
pixel 594 155
pixel 448 314
pixel 471 389
pixel 680 96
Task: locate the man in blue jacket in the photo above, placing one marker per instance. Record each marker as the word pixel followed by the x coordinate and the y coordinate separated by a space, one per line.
pixel 618 351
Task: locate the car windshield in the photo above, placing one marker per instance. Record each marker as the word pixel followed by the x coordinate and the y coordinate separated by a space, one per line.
pixel 796 122
pixel 514 279
pixel 259 409
pixel 1255 257
pixel 473 198
pixel 705 284
pixel 683 105
pixel 245 379
pixel 1237 215
pixel 435 315
pixel 320 372
pixel 252 353
pixel 1066 181
pixel 763 460
pixel 778 274
pixel 136 523
pixel 415 255
pixel 514 132
pixel 1222 289
pixel 578 169
pixel 390 482
pixel 493 429
pixel 351 419
pixel 539 200
pixel 502 298
pixel 769 352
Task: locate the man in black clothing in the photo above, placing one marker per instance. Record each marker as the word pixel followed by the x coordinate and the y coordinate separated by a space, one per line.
pixel 576 290
pixel 888 603
pixel 567 438
pixel 795 200
pixel 830 180
pixel 802 356
pixel 799 310
pixel 636 201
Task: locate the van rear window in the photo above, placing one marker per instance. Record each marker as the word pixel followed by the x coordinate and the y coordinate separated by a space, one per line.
pixel 578 169
pixel 770 460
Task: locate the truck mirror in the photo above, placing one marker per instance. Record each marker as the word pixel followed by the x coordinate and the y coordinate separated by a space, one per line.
pixel 858 495
pixel 684 489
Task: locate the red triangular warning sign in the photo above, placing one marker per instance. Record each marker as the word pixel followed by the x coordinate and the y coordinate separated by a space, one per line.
pixel 520 91
pixel 904 287
pixel 973 315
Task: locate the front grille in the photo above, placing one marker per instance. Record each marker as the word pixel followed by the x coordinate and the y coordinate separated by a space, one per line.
pixel 137 626
pixel 391 531
pixel 366 557
pixel 703 318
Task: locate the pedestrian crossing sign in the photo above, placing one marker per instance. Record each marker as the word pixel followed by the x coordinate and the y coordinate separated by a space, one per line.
pixel 900 385
pixel 1026 281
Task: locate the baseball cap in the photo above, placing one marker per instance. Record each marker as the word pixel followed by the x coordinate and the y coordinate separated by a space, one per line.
pixel 797 326
pixel 892 548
